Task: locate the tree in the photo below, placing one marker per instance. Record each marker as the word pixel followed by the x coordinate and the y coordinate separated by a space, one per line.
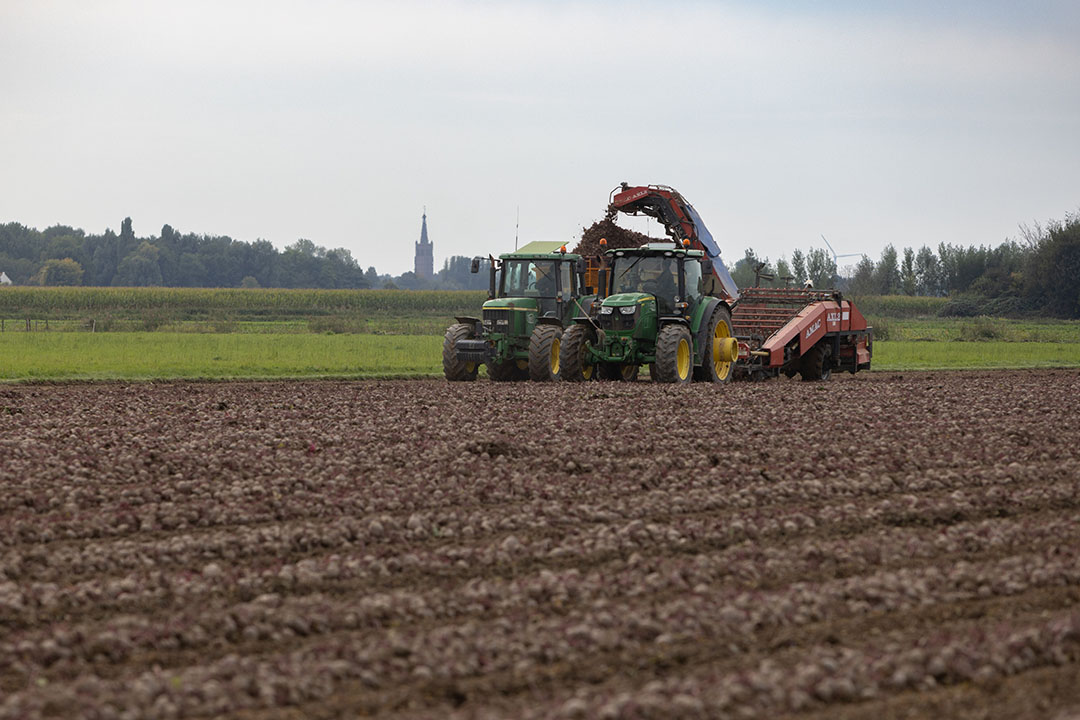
pixel 59 272
pixel 887 272
pixel 798 267
pixel 927 273
pixel 862 281
pixel 139 268
pixel 249 282
pixel 745 271
pixel 1053 276
pixel 908 281
pixel 782 270
pixel 820 268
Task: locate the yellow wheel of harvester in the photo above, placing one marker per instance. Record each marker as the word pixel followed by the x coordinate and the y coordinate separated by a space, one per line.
pixel 725 348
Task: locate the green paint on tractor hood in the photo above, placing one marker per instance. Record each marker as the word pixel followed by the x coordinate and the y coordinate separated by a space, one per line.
pixel 630 298
pixel 521 304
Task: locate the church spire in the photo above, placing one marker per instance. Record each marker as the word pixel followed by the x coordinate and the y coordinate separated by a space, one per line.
pixel 424 261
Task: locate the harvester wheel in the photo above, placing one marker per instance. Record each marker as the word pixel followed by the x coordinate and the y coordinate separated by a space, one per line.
pixel 674 355
pixel 454 369
pixel 722 349
pixel 544 353
pixel 573 365
pixel 815 364
pixel 619 371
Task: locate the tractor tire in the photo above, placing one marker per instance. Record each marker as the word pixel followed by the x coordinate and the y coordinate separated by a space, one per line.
pixel 815 364
pixel 544 353
pixel 652 373
pixel 572 354
pixel 454 369
pixel 618 371
pixel 674 355
pixel 714 368
pixel 507 371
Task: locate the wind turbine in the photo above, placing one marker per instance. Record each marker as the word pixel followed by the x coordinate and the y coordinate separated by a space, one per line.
pixel 835 257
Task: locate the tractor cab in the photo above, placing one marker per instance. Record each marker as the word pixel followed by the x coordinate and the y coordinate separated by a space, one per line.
pixel 662 275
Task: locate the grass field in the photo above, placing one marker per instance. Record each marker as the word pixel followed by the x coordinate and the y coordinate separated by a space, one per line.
pixel 161 355
pixel 154 355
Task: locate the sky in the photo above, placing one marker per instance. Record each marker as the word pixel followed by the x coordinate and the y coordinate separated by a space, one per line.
pixel 907 123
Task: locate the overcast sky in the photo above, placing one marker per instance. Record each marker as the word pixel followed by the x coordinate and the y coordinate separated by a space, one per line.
pixel 871 123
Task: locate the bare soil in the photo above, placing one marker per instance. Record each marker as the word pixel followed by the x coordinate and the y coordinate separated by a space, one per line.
pixel 882 545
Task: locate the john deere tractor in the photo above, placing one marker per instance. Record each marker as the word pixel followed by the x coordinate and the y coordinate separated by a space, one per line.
pixel 533 295
pixel 656 312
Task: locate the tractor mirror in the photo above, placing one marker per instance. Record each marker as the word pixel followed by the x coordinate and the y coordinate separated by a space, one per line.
pixel 475 266
pixel 580 265
pixel 706 266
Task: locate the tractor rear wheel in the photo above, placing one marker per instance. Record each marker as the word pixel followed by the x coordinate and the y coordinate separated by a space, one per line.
pixel 619 371
pixel 674 355
pixel 816 363
pixel 544 353
pixel 573 354
pixel 454 369
pixel 721 350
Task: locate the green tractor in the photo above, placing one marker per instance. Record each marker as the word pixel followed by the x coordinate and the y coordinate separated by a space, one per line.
pixel 657 313
pixel 533 295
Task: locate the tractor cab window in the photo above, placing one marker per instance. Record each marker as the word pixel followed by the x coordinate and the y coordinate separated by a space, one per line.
pixel 654 274
pixel 529 278
pixel 695 284
pixel 566 273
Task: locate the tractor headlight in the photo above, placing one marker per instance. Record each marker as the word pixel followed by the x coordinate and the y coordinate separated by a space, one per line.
pixel 606 309
pixel 628 309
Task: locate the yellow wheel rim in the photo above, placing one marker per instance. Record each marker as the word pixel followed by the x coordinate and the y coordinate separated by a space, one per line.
pixel 628 371
pixel 682 359
pixel 555 356
pixel 725 349
pixel 586 371
pixel 523 364
pixel 470 367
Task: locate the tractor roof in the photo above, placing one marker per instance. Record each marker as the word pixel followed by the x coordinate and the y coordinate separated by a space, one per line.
pixel 667 249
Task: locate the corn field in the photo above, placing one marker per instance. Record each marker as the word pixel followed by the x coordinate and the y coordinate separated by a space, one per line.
pixel 234 303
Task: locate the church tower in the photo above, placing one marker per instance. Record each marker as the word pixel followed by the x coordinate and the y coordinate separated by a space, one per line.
pixel 424 264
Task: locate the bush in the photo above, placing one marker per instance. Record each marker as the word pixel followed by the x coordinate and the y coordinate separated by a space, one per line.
pixel 980 329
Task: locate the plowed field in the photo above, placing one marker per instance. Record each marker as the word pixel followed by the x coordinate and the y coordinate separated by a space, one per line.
pixel 876 546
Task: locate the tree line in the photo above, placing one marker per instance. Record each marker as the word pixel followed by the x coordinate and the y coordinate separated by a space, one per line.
pixel 63 255
pixel 1037 273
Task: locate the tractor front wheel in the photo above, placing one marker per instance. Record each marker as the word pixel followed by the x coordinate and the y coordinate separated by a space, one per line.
pixel 544 353
pixel 674 355
pixel 454 369
pixel 574 362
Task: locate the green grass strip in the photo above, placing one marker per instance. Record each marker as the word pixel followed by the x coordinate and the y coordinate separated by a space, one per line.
pixel 156 355
pixel 914 355
pixel 160 355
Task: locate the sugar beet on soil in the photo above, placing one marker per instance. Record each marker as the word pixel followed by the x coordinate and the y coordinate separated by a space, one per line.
pixel 879 546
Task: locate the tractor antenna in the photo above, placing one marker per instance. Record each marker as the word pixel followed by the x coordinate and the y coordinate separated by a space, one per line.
pixel 517 224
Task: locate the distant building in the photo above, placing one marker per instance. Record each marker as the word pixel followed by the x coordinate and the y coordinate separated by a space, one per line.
pixel 424 264
pixel 4 279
